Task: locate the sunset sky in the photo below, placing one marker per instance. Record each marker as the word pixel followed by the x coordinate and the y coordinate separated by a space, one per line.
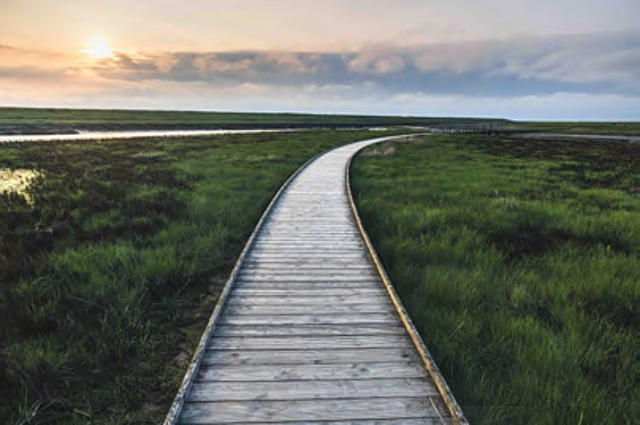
pixel 522 59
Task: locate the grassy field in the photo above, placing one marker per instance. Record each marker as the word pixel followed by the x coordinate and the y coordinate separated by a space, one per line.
pixel 48 120
pixel 518 262
pixel 607 128
pixel 96 119
pixel 112 264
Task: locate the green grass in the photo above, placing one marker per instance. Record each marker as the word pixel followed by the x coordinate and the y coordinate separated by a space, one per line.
pixel 108 278
pixel 606 128
pixel 99 119
pixel 46 120
pixel 518 262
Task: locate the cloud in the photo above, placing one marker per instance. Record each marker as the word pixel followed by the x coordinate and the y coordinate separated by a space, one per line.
pixel 31 73
pixel 603 63
pixel 377 62
pixel 519 72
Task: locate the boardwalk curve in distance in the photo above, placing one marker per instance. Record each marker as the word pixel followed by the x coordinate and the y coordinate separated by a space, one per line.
pixel 308 327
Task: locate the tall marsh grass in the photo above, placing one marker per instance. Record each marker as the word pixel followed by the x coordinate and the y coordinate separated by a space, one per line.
pixel 518 263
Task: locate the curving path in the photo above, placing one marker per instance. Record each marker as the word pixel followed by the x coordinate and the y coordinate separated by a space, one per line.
pixel 308 329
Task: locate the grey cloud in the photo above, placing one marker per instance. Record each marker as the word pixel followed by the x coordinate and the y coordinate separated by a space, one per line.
pixel 31 73
pixel 610 60
pixel 602 63
pixel 376 62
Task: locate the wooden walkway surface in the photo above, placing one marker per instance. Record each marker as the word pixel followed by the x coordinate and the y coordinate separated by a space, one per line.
pixel 307 330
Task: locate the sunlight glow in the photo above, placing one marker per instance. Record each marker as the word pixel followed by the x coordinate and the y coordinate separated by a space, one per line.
pixel 98 48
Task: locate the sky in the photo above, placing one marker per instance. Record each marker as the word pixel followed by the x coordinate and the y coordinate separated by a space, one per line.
pixel 518 59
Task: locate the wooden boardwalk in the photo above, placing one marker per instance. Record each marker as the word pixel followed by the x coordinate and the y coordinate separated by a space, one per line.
pixel 308 330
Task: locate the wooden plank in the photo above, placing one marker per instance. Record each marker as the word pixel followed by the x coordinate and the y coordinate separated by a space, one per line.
pixel 305 356
pixel 273 266
pixel 286 285
pixel 314 272
pixel 281 230
pixel 311 372
pixel 292 281
pixel 329 230
pixel 308 319
pixel 324 292
pixel 308 277
pixel 309 235
pixel 330 222
pixel 337 263
pixel 308 410
pixel 310 256
pixel 311 390
pixel 285 229
pixel 310 267
pixel 310 330
pixel 309 243
pixel 274 239
pixel 404 421
pixel 308 342
pixel 317 308
pixel 316 243
pixel 303 300
pixel 304 230
pixel 328 250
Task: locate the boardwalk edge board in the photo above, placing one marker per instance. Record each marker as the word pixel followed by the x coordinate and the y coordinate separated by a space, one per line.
pixel 178 405
pixel 430 364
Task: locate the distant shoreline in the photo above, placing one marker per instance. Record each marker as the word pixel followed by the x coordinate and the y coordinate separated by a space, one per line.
pixel 48 121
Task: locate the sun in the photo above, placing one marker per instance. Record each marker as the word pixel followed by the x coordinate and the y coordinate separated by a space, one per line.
pixel 98 48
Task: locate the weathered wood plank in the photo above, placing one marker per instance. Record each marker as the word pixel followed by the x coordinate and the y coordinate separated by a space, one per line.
pixel 307 277
pixel 308 410
pixel 311 390
pixel 308 235
pixel 282 239
pixel 325 257
pixel 293 252
pixel 305 356
pixel 328 267
pixel 296 272
pixel 304 300
pixel 308 342
pixel 295 280
pixel 288 262
pixel 304 232
pixel 316 292
pixel 310 330
pixel 317 308
pixel 405 421
pixel 286 285
pixel 309 319
pixel 275 266
pixel 311 371
pixel 310 244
